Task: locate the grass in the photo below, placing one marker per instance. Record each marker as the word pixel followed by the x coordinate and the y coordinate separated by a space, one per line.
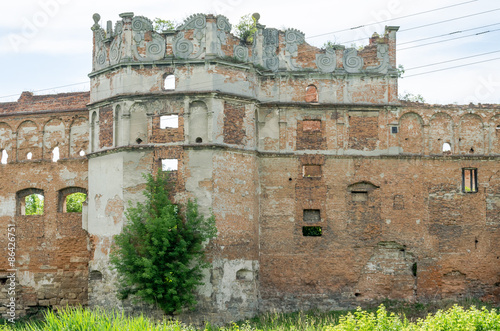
pixel 391 315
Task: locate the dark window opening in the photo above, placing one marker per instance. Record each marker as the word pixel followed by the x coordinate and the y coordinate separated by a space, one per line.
pixel 199 140
pixel 95 275
pixel 138 140
pixel 469 180
pixel 312 215
pixel 311 170
pixel 414 269
pixel 394 129
pixel 311 231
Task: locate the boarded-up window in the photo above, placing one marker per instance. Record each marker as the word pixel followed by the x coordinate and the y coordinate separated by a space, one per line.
pixel 312 215
pixel 311 125
pixel 311 94
pixel 311 170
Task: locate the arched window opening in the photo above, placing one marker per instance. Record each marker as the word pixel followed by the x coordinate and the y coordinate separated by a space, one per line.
pixel 446 148
pixel 55 154
pixel 199 140
pixel 311 94
pixel 93 132
pixel 29 156
pixel 30 202
pixel 169 83
pixel 5 157
pixel 71 200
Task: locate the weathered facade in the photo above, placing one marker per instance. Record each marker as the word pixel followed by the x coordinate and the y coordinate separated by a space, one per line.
pixel 327 190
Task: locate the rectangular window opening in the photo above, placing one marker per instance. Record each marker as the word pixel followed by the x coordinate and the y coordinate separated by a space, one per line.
pixel 169 164
pixel 169 121
pixel 394 129
pixel 312 231
pixel 311 170
pixel 311 125
pixel 469 180
pixel 312 215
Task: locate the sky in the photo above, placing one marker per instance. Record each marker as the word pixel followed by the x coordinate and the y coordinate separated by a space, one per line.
pixel 46 45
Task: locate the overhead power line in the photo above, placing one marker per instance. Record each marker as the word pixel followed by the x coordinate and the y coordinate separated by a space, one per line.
pixel 442 41
pixel 391 19
pixel 449 20
pixel 453 60
pixel 433 37
pixel 447 34
pixel 448 68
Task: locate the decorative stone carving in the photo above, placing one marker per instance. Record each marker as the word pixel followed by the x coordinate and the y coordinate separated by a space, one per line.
pixel 293 38
pixel 182 47
pixel 383 56
pixel 155 45
pixel 241 53
pixel 101 53
pixel 271 40
pixel 141 24
pixel 196 21
pixel 223 26
pixel 115 51
pixel 223 23
pixel 118 28
pixel 352 62
pixel 328 61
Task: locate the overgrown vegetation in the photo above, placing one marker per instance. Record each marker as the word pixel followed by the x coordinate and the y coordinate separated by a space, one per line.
pixel 454 318
pixel 246 28
pixel 74 202
pixel 34 204
pixel 160 25
pixel 406 96
pixel 160 255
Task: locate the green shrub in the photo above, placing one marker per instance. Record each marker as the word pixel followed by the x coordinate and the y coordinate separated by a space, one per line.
pixel 74 202
pixel 246 28
pixel 159 256
pixel 34 204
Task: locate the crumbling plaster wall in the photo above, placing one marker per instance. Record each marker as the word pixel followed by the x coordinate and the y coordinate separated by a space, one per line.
pixel 51 250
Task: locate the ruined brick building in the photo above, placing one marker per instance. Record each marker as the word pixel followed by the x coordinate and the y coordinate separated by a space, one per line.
pixel 328 191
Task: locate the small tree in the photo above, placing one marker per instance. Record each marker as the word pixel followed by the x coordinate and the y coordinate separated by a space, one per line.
pixel 160 256
pixel 246 28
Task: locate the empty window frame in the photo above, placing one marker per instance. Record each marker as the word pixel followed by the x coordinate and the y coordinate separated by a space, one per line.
pixel 169 164
pixel 394 129
pixel 169 83
pixel 30 202
pixel 311 170
pixel 5 157
pixel 71 199
pixel 446 148
pixel 55 154
pixel 312 231
pixel 469 180
pixel 169 121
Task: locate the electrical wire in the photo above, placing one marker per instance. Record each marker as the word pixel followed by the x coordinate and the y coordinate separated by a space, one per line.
pixel 442 41
pixel 453 60
pixel 459 66
pixel 391 19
